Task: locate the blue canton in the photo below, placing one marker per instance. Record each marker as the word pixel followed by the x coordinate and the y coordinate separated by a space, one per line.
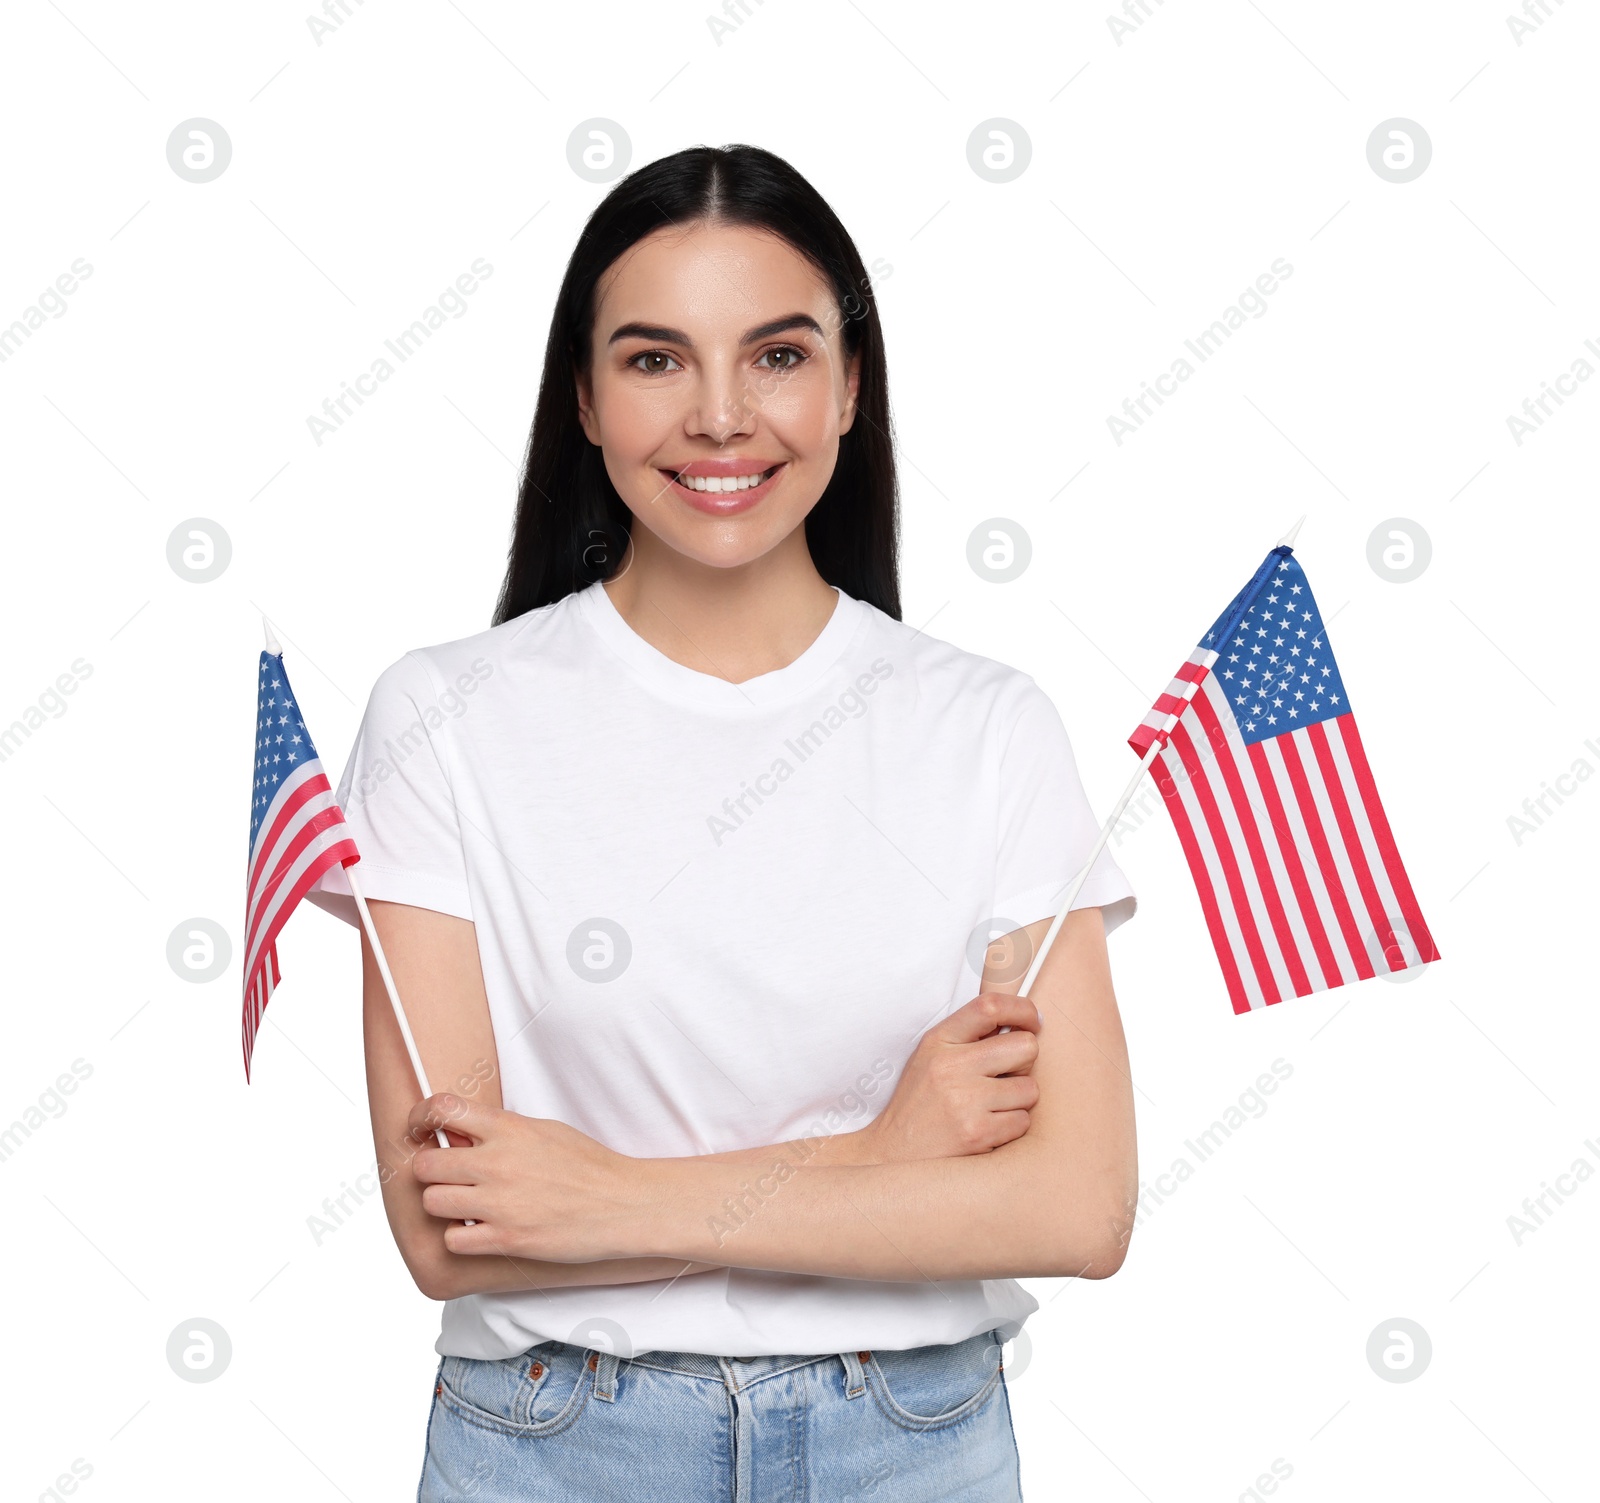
pixel 282 741
pixel 1274 659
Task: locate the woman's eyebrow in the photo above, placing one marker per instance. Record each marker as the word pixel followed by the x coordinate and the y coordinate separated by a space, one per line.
pixel 752 336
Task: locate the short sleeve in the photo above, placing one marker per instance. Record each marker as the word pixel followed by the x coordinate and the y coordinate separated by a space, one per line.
pixel 398 802
pixel 1047 825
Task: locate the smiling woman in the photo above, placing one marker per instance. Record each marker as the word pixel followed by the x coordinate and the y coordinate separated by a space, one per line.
pixel 747 1193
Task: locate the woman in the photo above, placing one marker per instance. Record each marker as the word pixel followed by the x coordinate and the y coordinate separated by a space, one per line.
pixel 687 870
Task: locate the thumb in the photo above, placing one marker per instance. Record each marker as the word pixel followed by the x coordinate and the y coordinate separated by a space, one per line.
pixel 465 1121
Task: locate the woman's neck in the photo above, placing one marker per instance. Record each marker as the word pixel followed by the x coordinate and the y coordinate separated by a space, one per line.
pixel 734 624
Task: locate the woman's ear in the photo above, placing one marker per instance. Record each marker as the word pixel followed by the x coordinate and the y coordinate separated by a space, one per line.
pixel 585 391
pixel 852 375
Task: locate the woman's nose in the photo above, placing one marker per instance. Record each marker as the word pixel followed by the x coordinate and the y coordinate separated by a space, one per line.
pixel 723 404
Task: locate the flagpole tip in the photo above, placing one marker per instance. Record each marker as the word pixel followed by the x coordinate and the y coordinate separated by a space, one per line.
pixel 272 641
pixel 1287 540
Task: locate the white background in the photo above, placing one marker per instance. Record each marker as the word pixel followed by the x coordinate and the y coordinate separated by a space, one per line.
pixel 1169 169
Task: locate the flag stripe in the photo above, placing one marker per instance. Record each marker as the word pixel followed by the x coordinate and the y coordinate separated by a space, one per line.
pixel 1381 937
pixel 1379 820
pixel 320 850
pixel 318 821
pixel 1244 811
pixel 1395 942
pixel 1169 787
pixel 1336 880
pixel 1346 944
pixel 1305 899
pixel 301 786
pixel 1231 875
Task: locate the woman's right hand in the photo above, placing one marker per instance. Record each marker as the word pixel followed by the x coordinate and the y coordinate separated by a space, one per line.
pixel 966 1088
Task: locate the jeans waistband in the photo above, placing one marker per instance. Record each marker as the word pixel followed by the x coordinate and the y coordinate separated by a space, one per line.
pixel 734 1373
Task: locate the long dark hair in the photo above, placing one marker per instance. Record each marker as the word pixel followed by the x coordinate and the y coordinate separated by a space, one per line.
pixel 572 527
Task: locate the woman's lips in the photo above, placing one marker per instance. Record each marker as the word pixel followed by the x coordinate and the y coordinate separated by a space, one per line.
pixel 725 503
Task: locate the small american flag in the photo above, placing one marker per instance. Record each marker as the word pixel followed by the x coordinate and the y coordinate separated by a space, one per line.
pixel 297 831
pixel 1268 786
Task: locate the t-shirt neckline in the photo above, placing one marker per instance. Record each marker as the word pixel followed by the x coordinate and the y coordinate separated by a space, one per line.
pixel 672 678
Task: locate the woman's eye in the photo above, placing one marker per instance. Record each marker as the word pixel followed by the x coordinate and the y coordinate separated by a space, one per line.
pixel 798 355
pixel 652 356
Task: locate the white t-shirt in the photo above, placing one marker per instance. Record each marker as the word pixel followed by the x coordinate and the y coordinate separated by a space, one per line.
pixel 716 915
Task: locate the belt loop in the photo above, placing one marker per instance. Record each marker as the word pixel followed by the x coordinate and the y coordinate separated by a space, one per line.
pixel 605 1375
pixel 855 1378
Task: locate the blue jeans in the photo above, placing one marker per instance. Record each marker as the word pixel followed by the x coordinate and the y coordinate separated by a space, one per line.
pixel 568 1424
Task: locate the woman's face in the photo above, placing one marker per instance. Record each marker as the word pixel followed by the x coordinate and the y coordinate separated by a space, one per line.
pixel 718 388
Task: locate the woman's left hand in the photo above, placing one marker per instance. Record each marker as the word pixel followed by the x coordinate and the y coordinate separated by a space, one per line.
pixel 536 1188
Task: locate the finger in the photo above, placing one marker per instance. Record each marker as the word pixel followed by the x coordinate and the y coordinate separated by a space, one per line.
pixel 1006 1126
pixel 465 1118
pixel 1011 1093
pixel 479 1240
pixel 984 1014
pixel 452 1202
pixel 1001 1053
pixel 445 1166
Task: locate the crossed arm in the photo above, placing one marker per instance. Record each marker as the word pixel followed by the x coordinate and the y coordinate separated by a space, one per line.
pixel 556 1208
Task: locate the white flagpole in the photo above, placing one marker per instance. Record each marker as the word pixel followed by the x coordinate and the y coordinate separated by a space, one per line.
pixel 1154 749
pixel 383 960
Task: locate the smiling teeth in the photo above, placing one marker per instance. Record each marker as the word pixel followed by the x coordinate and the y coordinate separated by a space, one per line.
pixel 722 483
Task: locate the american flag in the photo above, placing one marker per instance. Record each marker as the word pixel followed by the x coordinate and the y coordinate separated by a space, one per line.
pixel 1264 774
pixel 297 831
